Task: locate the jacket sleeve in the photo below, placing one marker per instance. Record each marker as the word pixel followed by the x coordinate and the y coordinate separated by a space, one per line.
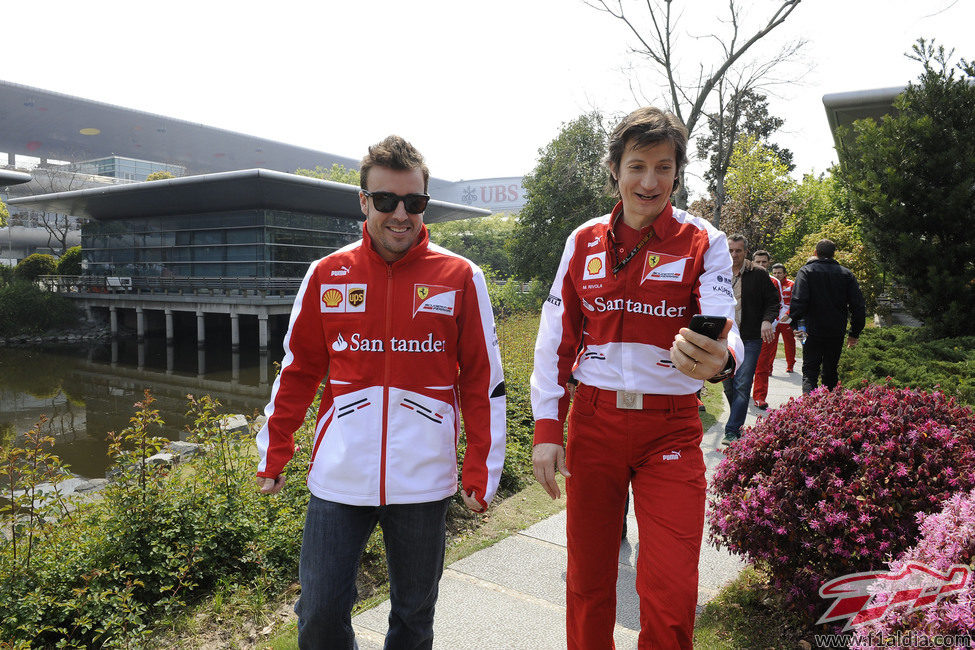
pixel 716 295
pixel 772 300
pixel 858 307
pixel 556 346
pixel 302 370
pixel 482 391
pixel 800 298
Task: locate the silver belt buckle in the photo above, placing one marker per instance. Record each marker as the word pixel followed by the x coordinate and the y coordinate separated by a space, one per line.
pixel 627 400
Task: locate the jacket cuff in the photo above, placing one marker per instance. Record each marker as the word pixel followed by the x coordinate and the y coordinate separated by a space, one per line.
pixel 548 431
pixel 728 371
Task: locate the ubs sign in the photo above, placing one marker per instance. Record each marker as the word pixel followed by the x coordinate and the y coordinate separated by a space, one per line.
pixel 495 194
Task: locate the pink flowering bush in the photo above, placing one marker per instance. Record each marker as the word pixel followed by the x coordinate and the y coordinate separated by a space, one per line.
pixel 832 483
pixel 947 538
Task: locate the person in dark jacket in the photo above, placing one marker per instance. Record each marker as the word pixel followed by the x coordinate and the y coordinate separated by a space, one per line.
pixel 824 298
pixel 756 312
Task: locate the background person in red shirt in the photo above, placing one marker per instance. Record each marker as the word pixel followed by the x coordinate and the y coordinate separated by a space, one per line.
pixel 788 337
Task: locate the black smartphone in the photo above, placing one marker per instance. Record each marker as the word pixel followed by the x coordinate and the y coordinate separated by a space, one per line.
pixel 710 326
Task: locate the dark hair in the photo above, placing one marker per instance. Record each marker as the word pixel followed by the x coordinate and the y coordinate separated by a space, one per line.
pixel 739 237
pixel 646 126
pixel 780 265
pixel 825 248
pixel 393 153
pixel 761 252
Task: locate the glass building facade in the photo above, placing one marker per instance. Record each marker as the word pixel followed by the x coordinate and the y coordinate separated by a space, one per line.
pixel 260 243
pixel 128 168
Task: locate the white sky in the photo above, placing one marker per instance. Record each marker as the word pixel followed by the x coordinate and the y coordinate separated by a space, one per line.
pixel 478 87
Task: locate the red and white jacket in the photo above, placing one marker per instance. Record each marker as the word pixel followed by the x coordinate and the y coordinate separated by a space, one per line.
pixel 405 347
pixel 627 323
pixel 785 291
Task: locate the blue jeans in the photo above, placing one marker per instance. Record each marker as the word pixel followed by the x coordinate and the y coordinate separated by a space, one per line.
pixel 738 389
pixel 331 547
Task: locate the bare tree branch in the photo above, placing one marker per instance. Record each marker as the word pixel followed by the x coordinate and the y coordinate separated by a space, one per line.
pixel 656 44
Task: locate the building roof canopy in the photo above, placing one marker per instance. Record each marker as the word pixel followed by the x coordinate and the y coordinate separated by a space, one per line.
pixel 223 191
pixel 10 177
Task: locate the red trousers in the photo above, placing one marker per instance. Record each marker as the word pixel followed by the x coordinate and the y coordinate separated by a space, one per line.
pixel 658 450
pixel 764 368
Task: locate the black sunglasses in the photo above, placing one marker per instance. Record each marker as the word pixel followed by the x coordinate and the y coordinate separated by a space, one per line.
pixel 387 201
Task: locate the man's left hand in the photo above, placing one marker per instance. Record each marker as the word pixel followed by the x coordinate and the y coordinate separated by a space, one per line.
pixel 768 331
pixel 470 501
pixel 698 356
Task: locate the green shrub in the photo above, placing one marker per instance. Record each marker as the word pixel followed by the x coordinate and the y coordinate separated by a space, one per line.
pixel 830 484
pixel 70 262
pixel 108 573
pixel 35 265
pixel 25 309
pixel 908 358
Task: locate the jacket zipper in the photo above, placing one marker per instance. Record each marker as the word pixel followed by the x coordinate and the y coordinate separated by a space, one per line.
pixel 386 371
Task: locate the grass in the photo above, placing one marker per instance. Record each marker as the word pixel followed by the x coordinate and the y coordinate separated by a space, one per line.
pixel 747 614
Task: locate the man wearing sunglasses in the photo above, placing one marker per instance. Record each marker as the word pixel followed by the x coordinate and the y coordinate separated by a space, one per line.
pixel 404 332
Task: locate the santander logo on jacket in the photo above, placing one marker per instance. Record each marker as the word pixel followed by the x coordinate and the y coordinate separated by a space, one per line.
pixel 403 346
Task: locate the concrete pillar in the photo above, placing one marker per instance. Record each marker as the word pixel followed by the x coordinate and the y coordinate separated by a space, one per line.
pixel 114 351
pixel 113 320
pixel 170 359
pixel 262 335
pixel 140 324
pixel 234 330
pixel 200 329
pixel 201 362
pixel 235 366
pixel 142 355
pixel 89 316
pixel 169 326
pixel 262 365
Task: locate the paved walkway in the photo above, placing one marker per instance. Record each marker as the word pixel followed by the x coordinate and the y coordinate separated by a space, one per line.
pixel 511 596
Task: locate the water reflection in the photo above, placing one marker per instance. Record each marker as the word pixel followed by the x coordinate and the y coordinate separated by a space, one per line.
pixel 88 391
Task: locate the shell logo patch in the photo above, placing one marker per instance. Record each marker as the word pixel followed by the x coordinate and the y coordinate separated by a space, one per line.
pixel 433 299
pixel 331 298
pixel 595 266
pixel 661 267
pixel 343 298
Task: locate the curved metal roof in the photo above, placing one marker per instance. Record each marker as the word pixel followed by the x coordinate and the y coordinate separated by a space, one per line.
pixel 54 126
pixel 10 177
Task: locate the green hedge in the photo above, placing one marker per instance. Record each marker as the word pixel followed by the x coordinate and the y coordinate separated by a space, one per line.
pixel 909 359
pixel 25 309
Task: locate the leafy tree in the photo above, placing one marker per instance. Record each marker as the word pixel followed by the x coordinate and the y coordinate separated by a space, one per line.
pixel 35 265
pixel 746 113
pixel 912 181
pixel 4 214
pixel 817 200
pixel 485 240
pixel 338 173
pixel 70 262
pixel 759 194
pixel 159 176
pixel 566 188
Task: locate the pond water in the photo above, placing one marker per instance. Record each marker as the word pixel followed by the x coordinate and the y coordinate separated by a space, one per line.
pixel 88 390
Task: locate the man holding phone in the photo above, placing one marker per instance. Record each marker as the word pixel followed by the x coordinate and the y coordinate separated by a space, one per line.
pixel 616 319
